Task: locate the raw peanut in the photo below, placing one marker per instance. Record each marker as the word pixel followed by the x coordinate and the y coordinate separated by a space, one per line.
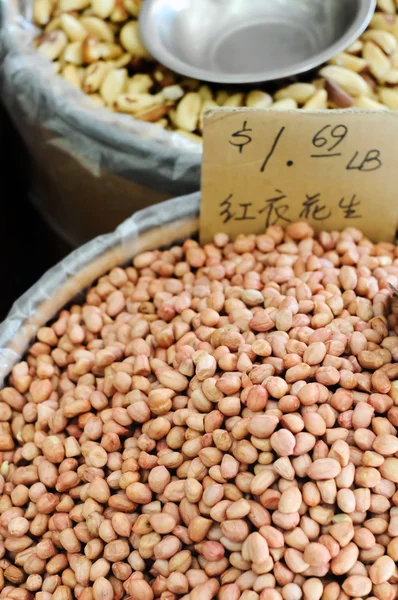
pixel 348 277
pixel 346 500
pixel 382 570
pixel 14 574
pixel 6 442
pixel 357 584
pixel 116 550
pixel 262 481
pixel 139 589
pixel 312 589
pixel 370 360
pixel 198 429
pixel 295 561
pixel 18 526
pixel 236 530
pixel 345 560
pixel 173 380
pixel 205 591
pixel 257 548
pixel 162 523
pixel 386 444
pixel 389 469
pixel 299 230
pixel 283 442
pixel 315 353
pixel 324 468
pixel 290 501
pixel 263 426
pixel 316 554
pixel 102 589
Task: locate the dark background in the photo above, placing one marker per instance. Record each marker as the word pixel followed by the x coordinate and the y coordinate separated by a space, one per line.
pixel 27 246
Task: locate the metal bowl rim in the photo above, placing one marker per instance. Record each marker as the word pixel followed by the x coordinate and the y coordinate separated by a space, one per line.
pixel 362 20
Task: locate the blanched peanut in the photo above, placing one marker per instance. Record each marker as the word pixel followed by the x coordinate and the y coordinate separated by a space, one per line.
pixel 103 37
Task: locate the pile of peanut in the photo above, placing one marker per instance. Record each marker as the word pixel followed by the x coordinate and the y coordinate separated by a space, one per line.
pixel 213 422
pixel 96 46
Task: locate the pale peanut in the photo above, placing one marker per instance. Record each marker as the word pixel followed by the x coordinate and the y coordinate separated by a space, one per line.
pixel 104 39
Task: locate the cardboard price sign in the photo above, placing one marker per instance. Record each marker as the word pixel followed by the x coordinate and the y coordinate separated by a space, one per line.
pixel 334 169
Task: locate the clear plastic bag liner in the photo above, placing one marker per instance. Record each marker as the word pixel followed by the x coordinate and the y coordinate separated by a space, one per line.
pixel 150 228
pixel 99 138
pixel 29 78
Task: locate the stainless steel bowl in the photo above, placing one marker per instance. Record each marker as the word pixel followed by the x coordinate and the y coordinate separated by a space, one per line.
pixel 248 41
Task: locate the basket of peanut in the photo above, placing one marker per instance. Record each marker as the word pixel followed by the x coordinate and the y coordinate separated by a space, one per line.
pixel 91 167
pixel 119 130
pixel 187 422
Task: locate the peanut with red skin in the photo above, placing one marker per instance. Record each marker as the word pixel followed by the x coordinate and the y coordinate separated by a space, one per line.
pixel 208 435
